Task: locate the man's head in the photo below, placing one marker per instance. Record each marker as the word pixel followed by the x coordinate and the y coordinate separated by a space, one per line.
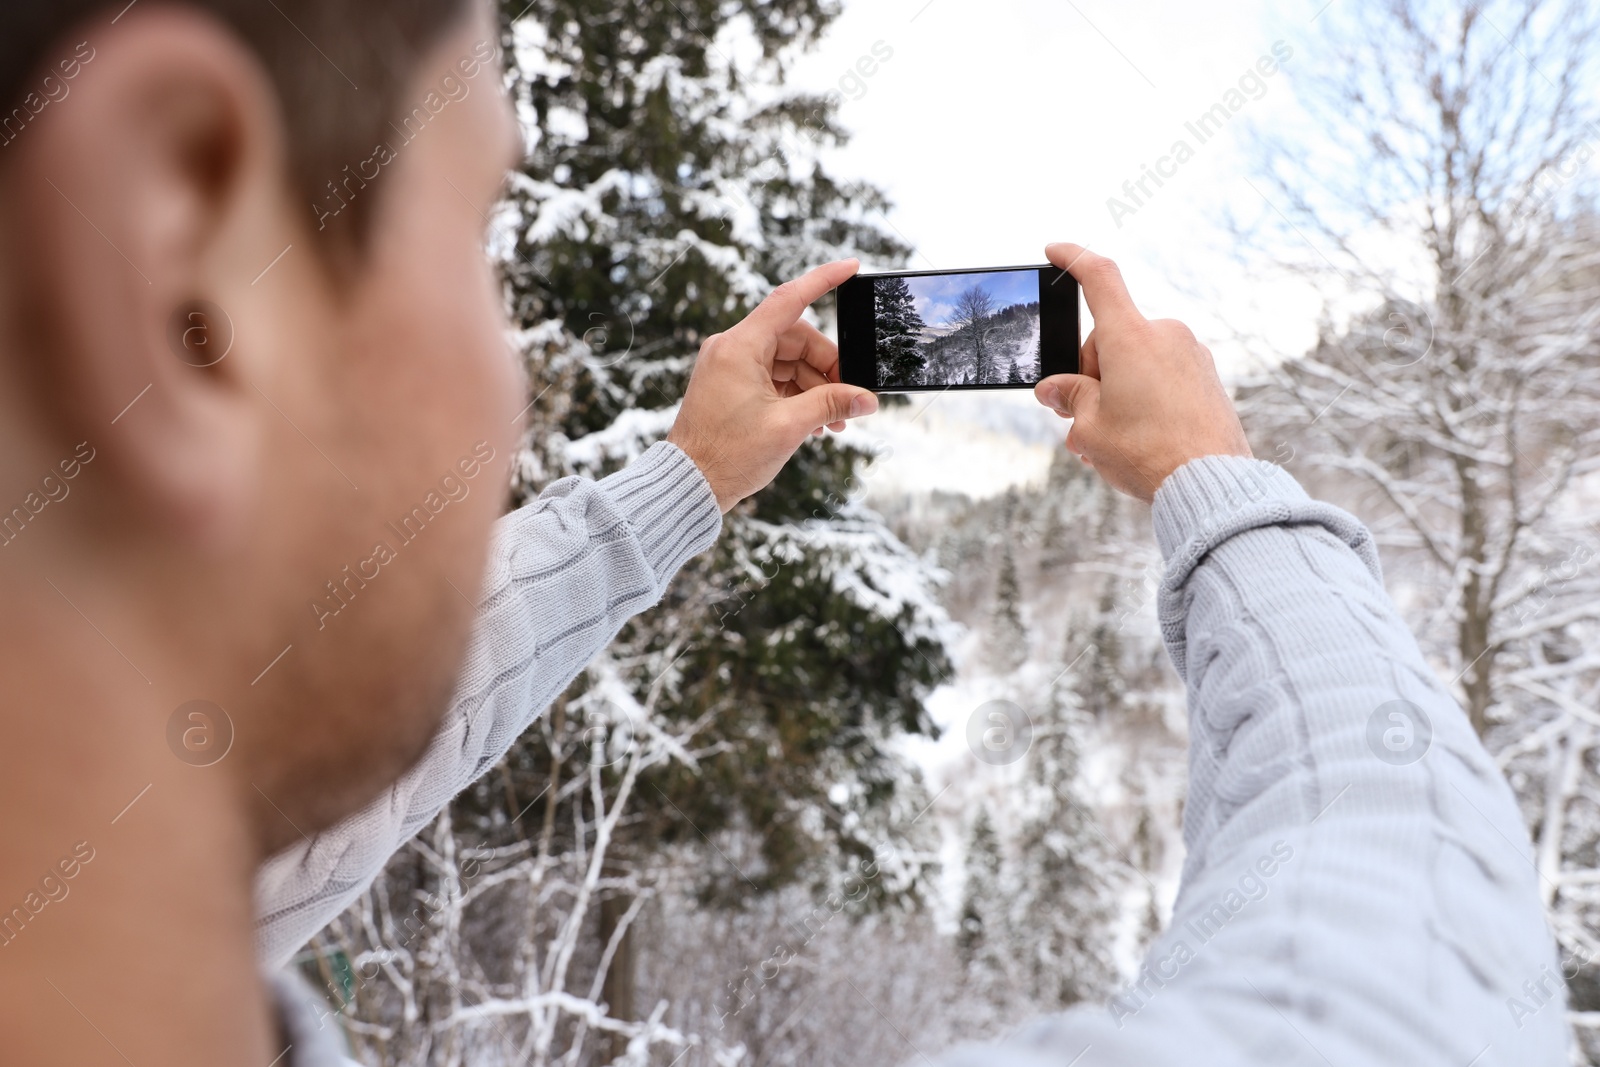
pixel 241 263
pixel 337 103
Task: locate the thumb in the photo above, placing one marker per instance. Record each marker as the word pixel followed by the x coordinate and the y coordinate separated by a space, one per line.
pixel 816 408
pixel 1068 394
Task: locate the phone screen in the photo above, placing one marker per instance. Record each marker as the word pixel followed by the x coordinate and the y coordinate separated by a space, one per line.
pixel 918 331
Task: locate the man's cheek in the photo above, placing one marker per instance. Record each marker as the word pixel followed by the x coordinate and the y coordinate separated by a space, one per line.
pixel 454 489
pixel 503 384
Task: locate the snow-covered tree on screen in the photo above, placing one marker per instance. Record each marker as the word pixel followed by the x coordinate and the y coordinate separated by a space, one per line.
pixel 898 330
pixel 973 308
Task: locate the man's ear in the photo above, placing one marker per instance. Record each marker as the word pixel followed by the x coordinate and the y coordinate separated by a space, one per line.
pixel 142 206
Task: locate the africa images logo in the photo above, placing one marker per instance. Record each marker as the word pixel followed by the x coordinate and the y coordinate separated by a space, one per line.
pixel 1252 85
pixel 452 89
pixel 1399 733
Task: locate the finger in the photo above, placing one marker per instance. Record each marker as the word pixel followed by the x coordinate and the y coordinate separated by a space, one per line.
pixel 1068 394
pixel 1103 288
pixel 792 379
pixel 789 301
pixel 826 405
pixel 1089 357
pixel 808 378
pixel 804 342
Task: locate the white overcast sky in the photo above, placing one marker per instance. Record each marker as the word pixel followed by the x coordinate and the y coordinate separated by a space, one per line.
pixel 999 125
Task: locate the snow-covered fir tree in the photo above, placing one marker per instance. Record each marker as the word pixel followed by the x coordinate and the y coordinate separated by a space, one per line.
pixel 1101 680
pixel 664 199
pixel 1065 882
pixel 1008 635
pixel 898 330
pixel 984 936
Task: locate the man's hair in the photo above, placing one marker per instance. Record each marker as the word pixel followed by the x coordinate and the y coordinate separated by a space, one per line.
pixel 340 67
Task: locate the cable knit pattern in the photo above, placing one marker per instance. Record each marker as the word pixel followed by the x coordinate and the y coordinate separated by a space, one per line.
pixel 1337 908
pixel 565 574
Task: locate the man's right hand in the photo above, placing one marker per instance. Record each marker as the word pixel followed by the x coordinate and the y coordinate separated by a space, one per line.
pixel 1148 399
pixel 759 390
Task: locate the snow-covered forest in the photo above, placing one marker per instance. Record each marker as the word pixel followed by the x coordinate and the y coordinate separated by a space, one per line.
pixel 728 843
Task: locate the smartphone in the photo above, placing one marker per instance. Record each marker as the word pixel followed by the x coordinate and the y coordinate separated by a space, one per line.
pixel 932 330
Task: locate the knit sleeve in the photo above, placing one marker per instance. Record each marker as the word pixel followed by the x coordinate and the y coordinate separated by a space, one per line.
pixel 1359 888
pixel 565 574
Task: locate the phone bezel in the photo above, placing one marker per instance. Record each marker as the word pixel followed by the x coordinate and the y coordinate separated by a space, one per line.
pixel 1058 325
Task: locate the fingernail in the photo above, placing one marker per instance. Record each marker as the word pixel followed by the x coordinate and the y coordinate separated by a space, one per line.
pixel 1050 397
pixel 863 404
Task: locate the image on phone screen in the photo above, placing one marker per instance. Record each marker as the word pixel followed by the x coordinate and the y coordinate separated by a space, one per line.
pixel 913 331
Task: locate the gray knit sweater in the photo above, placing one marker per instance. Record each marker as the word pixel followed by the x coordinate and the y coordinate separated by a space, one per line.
pixel 1360 888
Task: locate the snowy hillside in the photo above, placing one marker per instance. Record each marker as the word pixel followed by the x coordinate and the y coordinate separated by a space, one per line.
pixel 1002 348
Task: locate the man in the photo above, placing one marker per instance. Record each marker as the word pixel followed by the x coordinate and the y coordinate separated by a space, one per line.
pixel 172 562
pixel 1360 889
pixel 244 371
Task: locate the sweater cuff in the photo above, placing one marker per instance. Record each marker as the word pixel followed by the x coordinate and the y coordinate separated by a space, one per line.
pixel 670 506
pixel 1211 500
pixel 1215 492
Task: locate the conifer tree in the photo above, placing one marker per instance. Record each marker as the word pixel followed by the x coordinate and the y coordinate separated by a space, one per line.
pixel 658 205
pixel 981 936
pixel 1008 635
pixel 1101 688
pixel 898 331
pixel 1064 881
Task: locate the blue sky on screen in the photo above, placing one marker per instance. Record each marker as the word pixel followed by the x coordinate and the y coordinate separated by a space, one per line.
pixel 936 296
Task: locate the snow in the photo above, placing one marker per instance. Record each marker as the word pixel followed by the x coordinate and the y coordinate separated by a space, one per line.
pixel 975 445
pixel 1023 358
pixel 562 210
pixel 871 567
pixel 625 440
